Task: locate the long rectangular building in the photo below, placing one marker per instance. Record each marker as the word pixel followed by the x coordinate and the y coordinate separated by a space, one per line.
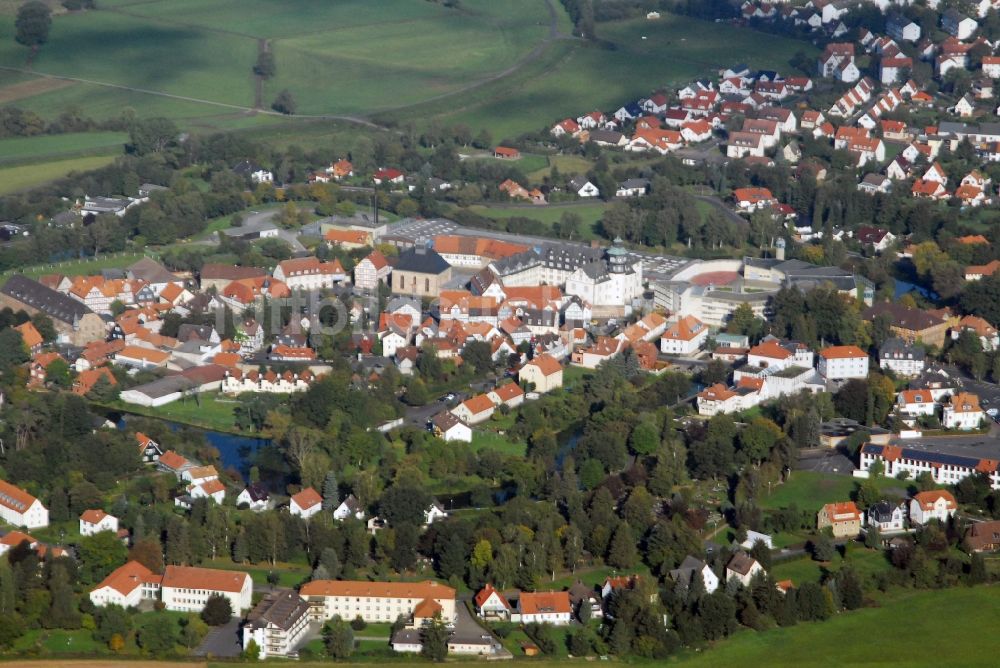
pixel 75 322
pixel 187 588
pixel 945 468
pixel 378 601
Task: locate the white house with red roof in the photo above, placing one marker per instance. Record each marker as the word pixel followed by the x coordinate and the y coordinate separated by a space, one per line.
pixel 753 199
pixel 963 412
pixel 510 395
pixel 544 372
pixel 938 504
pixel 565 127
pixel 474 409
pixel 491 605
pixel 843 363
pixel 127 586
pixel 309 273
pixel 684 337
pixel 371 270
pixel 388 175
pixel 20 509
pixel 306 503
pixel 656 104
pixel 551 607
pixel 915 403
pixel 717 399
pixel 95 521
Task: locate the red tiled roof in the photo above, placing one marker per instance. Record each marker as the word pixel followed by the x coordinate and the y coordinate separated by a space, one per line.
pixel 422 590
pixel 533 603
pixel 928 499
pixel 485 593
pixel 93 516
pixel 307 498
pixel 192 577
pixel 547 364
pixel 125 579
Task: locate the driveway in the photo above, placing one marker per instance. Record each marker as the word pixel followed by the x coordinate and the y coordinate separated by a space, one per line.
pixel 222 641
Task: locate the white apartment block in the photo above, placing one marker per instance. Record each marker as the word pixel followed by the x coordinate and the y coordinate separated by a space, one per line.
pixel 843 362
pixel 376 601
pixel 278 624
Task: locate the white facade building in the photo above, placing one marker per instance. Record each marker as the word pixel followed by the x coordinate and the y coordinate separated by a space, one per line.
pixel 188 588
pixel 843 362
pixel 21 509
pixel 376 602
pixel 95 521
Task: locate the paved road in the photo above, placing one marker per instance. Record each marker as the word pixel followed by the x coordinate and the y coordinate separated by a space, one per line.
pixel 222 641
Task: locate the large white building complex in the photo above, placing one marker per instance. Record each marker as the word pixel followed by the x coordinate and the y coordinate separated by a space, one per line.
pixel 711 291
pixel 181 588
pixel 378 601
pixel 607 279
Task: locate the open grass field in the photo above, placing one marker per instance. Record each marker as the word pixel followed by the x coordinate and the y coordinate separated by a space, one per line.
pixel 573 77
pixel 548 215
pixel 848 639
pixel 13 179
pixel 809 490
pixel 345 57
pixel 35 149
pixel 489 64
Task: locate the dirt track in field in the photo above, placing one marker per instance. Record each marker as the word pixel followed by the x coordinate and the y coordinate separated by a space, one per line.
pixel 25 89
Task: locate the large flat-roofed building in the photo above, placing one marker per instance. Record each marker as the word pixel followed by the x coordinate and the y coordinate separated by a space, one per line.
pixel 278 624
pixel 75 322
pixel 377 601
pixel 188 588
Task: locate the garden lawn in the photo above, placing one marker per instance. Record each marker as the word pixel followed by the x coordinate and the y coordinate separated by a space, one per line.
pixel 58 641
pixel 490 440
pixel 210 412
pixel 915 618
pixel 573 375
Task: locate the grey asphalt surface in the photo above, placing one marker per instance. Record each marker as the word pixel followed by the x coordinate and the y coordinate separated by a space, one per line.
pixel 222 641
pixel 829 461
